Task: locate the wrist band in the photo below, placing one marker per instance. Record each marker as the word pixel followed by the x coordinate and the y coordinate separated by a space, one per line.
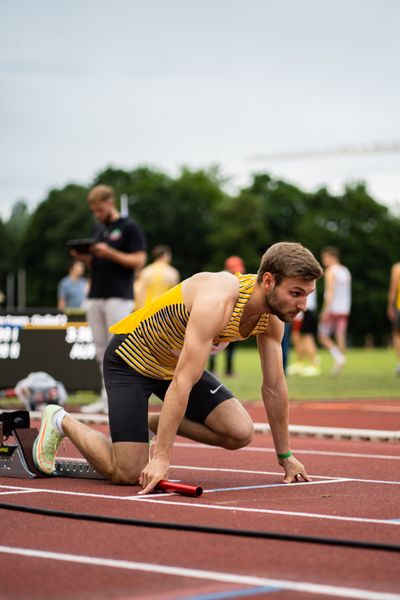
pixel 285 454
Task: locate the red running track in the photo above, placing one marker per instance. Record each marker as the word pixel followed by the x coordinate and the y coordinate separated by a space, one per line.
pixel 355 494
pixel 355 414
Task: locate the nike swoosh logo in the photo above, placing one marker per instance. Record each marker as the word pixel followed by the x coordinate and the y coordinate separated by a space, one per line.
pixel 216 389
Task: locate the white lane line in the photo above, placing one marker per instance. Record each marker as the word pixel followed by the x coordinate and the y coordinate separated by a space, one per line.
pixel 254 472
pixel 279 473
pixel 16 491
pixel 250 580
pixel 238 509
pixel 66 493
pixel 160 500
pixel 316 452
pixel 270 485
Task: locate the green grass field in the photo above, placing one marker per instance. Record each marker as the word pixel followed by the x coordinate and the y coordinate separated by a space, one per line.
pixel 369 373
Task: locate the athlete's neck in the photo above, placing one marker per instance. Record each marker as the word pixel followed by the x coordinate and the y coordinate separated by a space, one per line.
pixel 256 304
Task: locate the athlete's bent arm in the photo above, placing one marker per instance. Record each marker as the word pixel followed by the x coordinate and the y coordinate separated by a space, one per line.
pixel 209 315
pixel 275 398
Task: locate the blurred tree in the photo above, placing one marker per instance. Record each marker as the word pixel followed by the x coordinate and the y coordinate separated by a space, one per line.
pixel 284 206
pixel 18 220
pixel 62 216
pixel 6 258
pixel 203 225
pixel 195 198
pixel 176 212
pixel 239 228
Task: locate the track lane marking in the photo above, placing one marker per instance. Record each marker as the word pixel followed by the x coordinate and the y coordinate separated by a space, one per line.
pixel 14 492
pixel 274 512
pixel 270 485
pixel 298 586
pixel 251 472
pixel 228 595
pixel 160 500
pixel 84 494
pixel 316 452
pixel 254 472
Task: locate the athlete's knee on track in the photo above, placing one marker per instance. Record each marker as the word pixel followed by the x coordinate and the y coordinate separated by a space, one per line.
pixel 125 476
pixel 239 436
pixel 127 466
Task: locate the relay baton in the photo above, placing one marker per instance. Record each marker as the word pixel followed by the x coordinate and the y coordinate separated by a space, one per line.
pixel 179 488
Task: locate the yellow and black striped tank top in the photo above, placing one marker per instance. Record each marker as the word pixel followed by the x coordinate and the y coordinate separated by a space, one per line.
pixel 156 332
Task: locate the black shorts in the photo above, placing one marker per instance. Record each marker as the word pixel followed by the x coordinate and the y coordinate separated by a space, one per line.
pixel 128 393
pixel 309 323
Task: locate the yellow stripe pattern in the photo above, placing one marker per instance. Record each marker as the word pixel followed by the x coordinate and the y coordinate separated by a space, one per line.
pixel 156 333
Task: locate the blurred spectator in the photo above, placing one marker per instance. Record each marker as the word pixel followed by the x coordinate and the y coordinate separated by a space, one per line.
pixel 286 346
pixel 233 264
pixel 72 289
pixel 39 389
pixel 156 278
pixel 336 307
pixel 119 248
pixel 393 310
pixel 304 331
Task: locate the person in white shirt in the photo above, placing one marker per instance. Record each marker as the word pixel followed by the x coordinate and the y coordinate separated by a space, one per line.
pixel 335 312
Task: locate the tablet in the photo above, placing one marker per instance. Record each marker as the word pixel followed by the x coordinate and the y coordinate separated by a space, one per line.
pixel 81 246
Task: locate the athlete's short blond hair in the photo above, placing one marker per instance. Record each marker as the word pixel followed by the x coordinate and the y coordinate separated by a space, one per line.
pixel 289 259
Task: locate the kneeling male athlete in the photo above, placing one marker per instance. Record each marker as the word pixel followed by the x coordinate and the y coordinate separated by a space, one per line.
pixel 163 349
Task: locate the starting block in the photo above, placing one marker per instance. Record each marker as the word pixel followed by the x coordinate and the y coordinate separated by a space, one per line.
pixel 16 458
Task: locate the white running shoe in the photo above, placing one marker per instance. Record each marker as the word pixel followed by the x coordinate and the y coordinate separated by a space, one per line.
pixel 47 442
pixel 338 366
pixel 294 369
pixel 310 371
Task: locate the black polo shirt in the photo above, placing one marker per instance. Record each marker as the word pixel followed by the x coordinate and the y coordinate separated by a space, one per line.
pixel 109 279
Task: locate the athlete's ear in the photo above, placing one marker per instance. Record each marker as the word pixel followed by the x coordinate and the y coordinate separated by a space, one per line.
pixel 268 281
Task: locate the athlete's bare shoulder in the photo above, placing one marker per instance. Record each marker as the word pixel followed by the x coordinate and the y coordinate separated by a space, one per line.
pixel 210 287
pixel 395 272
pixel 396 267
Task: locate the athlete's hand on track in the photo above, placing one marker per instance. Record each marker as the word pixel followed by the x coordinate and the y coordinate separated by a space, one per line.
pixel 294 470
pixel 155 470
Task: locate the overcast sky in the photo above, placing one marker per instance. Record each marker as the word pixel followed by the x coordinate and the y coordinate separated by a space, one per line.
pixel 89 83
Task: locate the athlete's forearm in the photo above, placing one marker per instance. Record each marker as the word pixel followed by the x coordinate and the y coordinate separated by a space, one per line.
pixel 276 404
pixel 172 413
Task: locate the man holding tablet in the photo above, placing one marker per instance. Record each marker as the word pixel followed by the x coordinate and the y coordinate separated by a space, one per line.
pixel 118 248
